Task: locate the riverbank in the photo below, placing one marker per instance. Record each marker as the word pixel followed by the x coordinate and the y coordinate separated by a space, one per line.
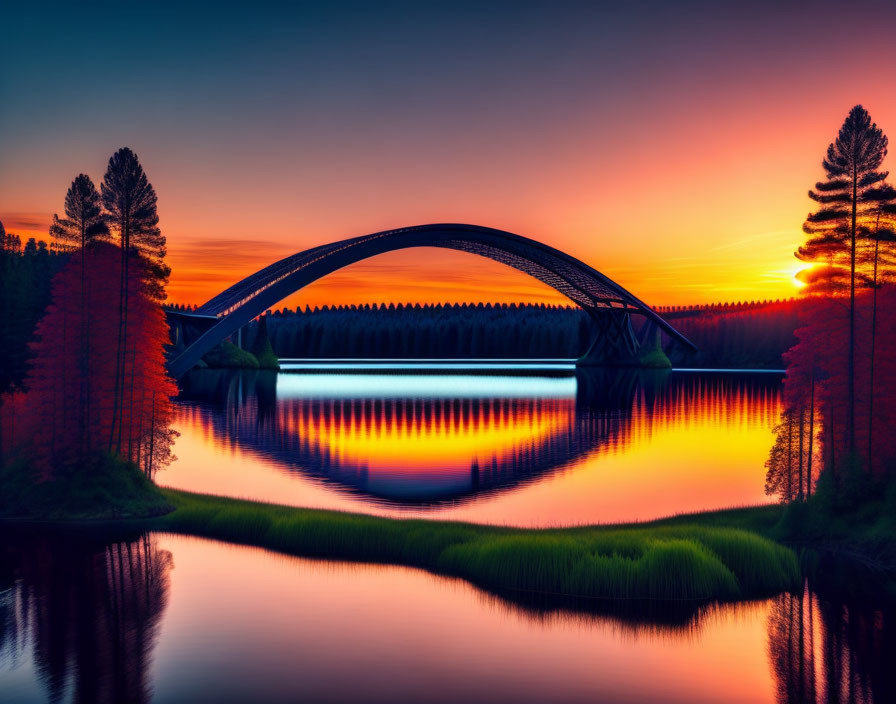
pixel 722 555
pixel 717 556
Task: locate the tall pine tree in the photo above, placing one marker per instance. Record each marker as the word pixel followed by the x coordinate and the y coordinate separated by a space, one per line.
pixel 84 218
pixel 83 224
pixel 851 167
pixel 881 201
pixel 130 202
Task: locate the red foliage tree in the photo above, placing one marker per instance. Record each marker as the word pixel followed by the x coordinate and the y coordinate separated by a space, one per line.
pixel 818 386
pixel 58 428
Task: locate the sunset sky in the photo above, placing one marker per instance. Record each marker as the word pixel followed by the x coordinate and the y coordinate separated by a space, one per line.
pixel 669 145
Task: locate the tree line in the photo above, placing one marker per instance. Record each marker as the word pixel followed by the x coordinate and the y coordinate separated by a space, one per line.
pixel 25 276
pixel 754 335
pixel 430 331
pixel 94 384
pixel 744 336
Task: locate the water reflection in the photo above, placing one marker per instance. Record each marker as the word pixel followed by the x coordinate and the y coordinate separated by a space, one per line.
pixel 86 612
pixel 84 620
pixel 830 651
pixel 430 441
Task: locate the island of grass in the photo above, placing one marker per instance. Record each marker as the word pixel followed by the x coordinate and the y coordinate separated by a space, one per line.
pixel 714 556
pixel 693 559
pixel 226 355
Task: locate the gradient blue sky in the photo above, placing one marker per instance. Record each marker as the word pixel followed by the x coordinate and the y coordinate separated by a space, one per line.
pixel 670 145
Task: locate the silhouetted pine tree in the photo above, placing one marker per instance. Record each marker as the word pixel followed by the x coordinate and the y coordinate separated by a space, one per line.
pixel 84 218
pixel 882 204
pixel 130 201
pixel 851 168
pixel 262 349
pixel 84 222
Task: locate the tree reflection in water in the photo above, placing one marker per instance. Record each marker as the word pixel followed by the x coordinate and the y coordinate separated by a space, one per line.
pixel 89 610
pixel 830 651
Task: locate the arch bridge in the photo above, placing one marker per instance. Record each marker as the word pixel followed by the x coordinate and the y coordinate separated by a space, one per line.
pixel 610 306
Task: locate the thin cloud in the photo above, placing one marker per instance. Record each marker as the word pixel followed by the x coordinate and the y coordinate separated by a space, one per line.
pixel 26 222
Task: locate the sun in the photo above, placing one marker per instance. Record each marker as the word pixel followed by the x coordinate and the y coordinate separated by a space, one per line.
pixel 795 271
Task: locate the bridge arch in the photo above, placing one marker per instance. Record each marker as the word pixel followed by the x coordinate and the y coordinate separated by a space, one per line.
pixel 607 302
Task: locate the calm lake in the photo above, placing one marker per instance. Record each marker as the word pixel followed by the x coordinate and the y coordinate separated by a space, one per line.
pixel 173 619
pixel 163 618
pixel 514 446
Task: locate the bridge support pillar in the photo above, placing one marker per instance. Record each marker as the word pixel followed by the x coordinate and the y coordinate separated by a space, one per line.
pixel 615 343
pixel 651 353
pixel 176 335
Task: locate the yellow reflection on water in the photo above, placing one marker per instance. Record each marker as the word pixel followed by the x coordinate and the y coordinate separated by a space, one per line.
pixel 691 443
pixel 444 437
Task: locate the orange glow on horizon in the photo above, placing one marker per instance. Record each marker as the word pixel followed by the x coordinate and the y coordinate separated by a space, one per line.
pixel 202 268
pixel 682 179
pixel 426 275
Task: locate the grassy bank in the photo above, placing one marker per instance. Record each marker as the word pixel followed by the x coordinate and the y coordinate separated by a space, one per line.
pixel 687 558
pixel 104 488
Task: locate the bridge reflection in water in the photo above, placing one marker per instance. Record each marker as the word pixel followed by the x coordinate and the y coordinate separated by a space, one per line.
pixel 428 439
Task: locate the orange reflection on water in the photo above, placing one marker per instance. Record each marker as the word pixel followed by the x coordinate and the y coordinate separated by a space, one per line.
pixel 301 626
pixel 425 436
pixel 649 447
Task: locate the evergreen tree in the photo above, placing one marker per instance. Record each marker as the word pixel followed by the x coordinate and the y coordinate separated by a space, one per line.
pixel 84 223
pixel 882 203
pixel 851 168
pixel 262 348
pixel 130 202
pixel 84 218
pixel 52 429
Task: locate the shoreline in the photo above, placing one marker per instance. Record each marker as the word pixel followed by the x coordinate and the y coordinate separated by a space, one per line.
pixel 698 558
pixel 678 563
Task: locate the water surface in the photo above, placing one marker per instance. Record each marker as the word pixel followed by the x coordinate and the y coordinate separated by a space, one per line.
pixel 172 619
pixel 510 446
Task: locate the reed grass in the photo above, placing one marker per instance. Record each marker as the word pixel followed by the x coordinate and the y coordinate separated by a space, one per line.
pixel 685 558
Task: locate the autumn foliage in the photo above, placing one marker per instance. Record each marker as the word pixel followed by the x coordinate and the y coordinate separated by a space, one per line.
pixel 68 412
pixel 817 365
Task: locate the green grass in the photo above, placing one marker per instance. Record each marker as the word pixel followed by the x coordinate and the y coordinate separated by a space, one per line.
pixel 228 356
pixel 651 354
pixel 264 353
pixel 684 558
pixel 267 359
pixel 864 531
pixel 105 488
pixel 654 359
